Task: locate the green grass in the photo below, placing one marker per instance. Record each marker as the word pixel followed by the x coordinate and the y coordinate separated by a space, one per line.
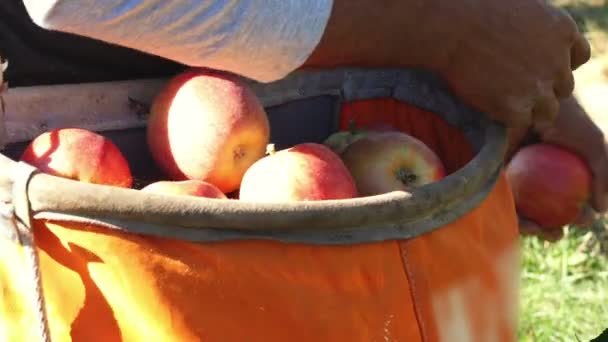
pixel 564 289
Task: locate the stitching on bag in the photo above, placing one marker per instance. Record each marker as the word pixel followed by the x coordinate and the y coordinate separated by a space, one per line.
pixel 413 291
pixel 8 227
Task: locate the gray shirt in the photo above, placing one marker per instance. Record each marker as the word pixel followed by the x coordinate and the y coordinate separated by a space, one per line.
pixel 260 39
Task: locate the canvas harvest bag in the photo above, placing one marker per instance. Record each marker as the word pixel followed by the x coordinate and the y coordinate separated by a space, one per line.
pixel 111 264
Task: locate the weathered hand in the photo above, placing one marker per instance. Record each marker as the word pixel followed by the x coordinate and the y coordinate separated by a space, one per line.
pixel 511 59
pixel 503 66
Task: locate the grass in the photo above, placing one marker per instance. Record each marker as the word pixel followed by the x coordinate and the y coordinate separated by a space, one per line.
pixel 564 288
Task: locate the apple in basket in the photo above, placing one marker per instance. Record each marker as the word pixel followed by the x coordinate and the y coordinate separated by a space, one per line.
pixel 208 126
pixel 304 172
pixel 550 184
pixel 388 161
pixel 79 154
pixel 187 188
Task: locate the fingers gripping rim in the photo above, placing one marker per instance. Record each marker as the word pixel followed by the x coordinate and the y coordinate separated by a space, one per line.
pixel 580 49
pixel 581 52
pixel 564 85
pixel 546 107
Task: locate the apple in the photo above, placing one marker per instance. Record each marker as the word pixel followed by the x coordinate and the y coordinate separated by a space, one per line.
pixel 79 154
pixel 389 161
pixel 209 126
pixel 304 172
pixel 550 184
pixel 187 187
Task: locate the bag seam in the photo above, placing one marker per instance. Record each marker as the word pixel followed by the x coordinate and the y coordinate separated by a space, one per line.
pixel 413 291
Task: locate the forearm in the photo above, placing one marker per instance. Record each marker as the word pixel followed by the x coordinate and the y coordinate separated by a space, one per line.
pixel 399 36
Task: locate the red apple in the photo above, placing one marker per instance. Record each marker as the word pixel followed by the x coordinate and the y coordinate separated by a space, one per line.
pixel 388 161
pixel 207 126
pixel 79 154
pixel 550 184
pixel 304 172
pixel 187 187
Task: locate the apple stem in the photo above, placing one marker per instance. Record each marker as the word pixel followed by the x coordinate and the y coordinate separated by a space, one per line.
pixel 270 149
pixel 405 176
pixel 352 126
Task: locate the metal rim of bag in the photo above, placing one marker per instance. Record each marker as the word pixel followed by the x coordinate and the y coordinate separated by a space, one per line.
pixel 374 218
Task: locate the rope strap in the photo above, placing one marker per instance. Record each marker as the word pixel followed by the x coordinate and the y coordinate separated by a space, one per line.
pixel 23 225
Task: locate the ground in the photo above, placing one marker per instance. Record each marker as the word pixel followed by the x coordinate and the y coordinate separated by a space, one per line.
pixel 564 294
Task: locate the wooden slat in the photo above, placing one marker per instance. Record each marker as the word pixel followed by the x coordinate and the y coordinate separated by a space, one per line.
pixel 97 106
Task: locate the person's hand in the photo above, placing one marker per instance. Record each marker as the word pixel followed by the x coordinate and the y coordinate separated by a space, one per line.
pixel 573 129
pixel 511 59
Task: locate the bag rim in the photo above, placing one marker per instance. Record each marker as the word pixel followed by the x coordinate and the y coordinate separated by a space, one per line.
pixel 373 218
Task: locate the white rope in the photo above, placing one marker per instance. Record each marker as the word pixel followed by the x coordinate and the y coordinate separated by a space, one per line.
pixel 31 255
pixel 23 224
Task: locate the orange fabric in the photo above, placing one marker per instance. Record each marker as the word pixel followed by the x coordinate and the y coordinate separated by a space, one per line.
pixel 109 286
pixel 464 276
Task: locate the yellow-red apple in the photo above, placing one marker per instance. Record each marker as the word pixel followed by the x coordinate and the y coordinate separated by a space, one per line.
pixel 388 161
pixel 79 154
pixel 207 126
pixel 187 187
pixel 304 172
pixel 550 184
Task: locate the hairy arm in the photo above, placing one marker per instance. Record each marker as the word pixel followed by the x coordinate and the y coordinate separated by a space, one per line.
pixel 386 33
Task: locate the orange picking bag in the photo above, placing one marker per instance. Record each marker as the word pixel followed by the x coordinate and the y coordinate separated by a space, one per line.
pixel 85 262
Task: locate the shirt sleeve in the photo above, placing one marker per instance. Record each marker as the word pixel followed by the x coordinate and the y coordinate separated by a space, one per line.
pixel 260 39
